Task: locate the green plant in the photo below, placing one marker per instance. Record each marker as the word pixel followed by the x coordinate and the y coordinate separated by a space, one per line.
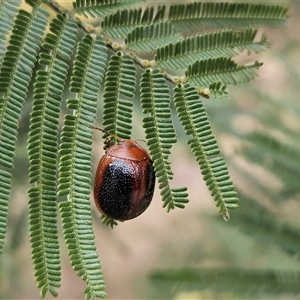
pixel 199 63
pixel 257 255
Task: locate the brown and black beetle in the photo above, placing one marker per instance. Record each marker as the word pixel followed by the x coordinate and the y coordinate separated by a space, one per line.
pixel 124 181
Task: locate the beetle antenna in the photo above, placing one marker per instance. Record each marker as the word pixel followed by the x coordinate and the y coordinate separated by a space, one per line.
pixel 104 131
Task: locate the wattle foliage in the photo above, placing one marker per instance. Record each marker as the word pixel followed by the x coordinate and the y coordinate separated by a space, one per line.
pixel 198 62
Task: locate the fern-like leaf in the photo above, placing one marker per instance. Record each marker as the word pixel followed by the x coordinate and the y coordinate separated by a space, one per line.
pixel 203 144
pixel 203 73
pixel 119 81
pixel 123 22
pixel 190 17
pixel 15 75
pixel 75 164
pixel 42 147
pixel 8 10
pixel 150 37
pixel 5 187
pixel 212 45
pixel 160 135
pixel 234 280
pixel 93 8
pixel 79 238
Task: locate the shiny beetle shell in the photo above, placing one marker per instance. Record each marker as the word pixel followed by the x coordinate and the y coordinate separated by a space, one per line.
pixel 124 181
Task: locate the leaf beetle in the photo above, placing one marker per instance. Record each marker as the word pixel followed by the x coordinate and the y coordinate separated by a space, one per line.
pixel 124 180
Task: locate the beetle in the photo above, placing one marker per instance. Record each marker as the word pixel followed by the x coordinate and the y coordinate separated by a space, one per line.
pixel 124 180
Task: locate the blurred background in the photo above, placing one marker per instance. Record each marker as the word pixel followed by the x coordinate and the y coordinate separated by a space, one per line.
pixel 193 253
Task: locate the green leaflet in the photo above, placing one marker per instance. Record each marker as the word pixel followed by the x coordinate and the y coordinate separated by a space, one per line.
pixel 203 73
pixel 75 164
pixel 42 150
pixel 211 45
pixel 15 75
pixel 5 187
pixel 203 144
pixel 193 16
pixel 93 8
pixel 120 80
pixel 160 135
pixel 79 238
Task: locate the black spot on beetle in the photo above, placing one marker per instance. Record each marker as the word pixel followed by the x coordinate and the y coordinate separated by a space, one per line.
pixel 116 190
